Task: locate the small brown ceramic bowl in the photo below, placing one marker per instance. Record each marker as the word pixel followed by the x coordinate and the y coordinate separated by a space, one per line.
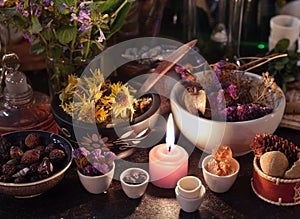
pixel 31 189
pixel 278 191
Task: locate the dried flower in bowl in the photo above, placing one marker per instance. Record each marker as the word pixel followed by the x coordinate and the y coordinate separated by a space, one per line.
pixel 91 98
pixel 94 162
pixel 228 93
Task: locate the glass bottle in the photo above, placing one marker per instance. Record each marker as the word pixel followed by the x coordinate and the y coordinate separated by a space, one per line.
pixel 21 107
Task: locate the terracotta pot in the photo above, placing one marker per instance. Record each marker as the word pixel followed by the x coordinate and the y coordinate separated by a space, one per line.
pixel 283 192
pixel 97 184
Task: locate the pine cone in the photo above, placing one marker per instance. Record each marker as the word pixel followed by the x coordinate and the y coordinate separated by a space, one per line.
pixel 267 142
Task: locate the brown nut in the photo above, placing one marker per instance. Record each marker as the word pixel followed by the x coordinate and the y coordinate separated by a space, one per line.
pixel 30 156
pixel 32 140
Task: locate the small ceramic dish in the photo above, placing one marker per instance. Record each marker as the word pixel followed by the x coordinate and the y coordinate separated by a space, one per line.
pixel 137 188
pixel 190 204
pixel 219 184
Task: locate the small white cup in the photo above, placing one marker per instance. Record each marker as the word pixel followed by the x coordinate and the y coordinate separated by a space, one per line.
pixel 284 27
pixel 219 184
pixel 190 204
pixel 134 190
pixel 189 186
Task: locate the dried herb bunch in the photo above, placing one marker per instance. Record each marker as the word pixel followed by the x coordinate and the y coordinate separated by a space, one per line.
pixel 229 93
pixel 91 98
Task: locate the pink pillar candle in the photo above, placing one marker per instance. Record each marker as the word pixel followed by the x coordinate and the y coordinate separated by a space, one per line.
pixel 167 167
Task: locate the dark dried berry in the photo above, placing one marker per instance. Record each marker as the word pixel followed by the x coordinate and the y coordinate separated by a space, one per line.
pixel 16 152
pixel 5 178
pixel 57 155
pixel 30 156
pixel 4 149
pixel 8 169
pixel 50 147
pixel 32 140
pixel 45 169
pixel 34 167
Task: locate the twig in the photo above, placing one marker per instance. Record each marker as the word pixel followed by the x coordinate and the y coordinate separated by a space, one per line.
pixel 266 58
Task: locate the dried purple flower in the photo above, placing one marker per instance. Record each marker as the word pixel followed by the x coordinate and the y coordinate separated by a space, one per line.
pixel 94 162
pixel 90 170
pixel 233 92
pixel 103 168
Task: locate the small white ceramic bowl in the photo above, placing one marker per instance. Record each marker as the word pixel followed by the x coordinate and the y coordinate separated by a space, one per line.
pixel 219 184
pixel 189 186
pixel 134 190
pixel 206 134
pixel 190 204
pixel 97 184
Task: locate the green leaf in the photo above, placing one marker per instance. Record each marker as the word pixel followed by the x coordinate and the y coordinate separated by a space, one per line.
pixel 282 45
pixel 66 34
pixel 58 4
pixel 36 26
pixel 36 47
pixel 117 21
pixel 289 78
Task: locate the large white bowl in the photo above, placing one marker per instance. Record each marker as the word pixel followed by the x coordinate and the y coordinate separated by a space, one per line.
pixel 207 134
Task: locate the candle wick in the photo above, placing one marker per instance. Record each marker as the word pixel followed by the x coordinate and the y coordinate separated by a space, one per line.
pixel 169 148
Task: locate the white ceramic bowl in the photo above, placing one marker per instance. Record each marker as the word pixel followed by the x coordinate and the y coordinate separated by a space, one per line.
pixel 97 184
pixel 134 190
pixel 207 134
pixel 219 184
pixel 190 204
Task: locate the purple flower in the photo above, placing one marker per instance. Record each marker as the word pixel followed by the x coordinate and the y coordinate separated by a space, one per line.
pixel 90 170
pixel 38 12
pixel 220 99
pixel 219 67
pixel 109 157
pixel 74 17
pixel 101 38
pixel 48 26
pixel 2 3
pixel 63 6
pixel 79 152
pixel 20 6
pixel 46 3
pixel 96 154
pixel 233 92
pixel 28 37
pixel 103 168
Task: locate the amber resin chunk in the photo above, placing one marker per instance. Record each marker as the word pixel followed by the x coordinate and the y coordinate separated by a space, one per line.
pixel 221 162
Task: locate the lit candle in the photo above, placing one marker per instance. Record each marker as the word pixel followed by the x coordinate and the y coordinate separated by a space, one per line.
pixel 168 162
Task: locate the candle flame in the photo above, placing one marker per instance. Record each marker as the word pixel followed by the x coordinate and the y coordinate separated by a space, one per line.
pixel 170 134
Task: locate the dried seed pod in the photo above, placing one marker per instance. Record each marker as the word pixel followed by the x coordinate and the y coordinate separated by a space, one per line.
pixel 6 178
pixel 4 149
pixel 30 156
pixel 263 143
pixel 8 169
pixel 45 169
pixel 32 140
pixel 16 152
pixel 57 155
pixel 50 147
pixel 22 172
